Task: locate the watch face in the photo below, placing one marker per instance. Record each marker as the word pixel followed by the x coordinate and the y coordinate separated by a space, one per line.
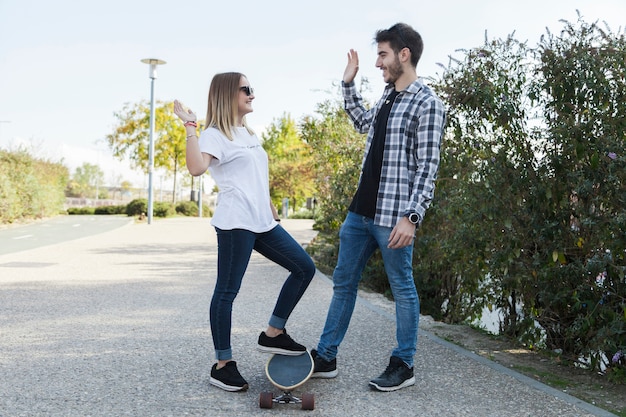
pixel 413 218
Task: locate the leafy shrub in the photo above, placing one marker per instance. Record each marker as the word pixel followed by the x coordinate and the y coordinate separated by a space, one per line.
pixel 137 207
pixel 528 216
pixel 80 210
pixel 302 214
pixel 30 187
pixel 110 210
pixel 339 151
pixel 187 208
pixel 163 209
pixel 190 208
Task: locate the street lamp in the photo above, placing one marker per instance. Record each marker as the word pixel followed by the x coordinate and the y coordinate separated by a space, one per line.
pixel 153 62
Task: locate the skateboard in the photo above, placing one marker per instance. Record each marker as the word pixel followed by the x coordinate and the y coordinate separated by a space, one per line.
pixel 288 373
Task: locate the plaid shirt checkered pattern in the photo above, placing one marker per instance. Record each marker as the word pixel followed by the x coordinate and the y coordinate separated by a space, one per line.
pixel 412 146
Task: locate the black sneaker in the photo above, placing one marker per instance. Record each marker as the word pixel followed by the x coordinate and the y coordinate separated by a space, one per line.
pixel 323 368
pixel 282 344
pixel 397 375
pixel 228 378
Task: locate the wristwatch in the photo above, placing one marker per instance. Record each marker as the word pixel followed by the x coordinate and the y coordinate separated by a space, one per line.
pixel 414 218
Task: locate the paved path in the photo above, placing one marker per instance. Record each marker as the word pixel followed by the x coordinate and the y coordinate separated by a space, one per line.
pixel 117 325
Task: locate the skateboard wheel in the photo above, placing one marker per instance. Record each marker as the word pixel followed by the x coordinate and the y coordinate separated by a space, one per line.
pixel 266 400
pixel 308 401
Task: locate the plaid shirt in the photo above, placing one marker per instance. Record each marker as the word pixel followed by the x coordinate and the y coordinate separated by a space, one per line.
pixel 412 146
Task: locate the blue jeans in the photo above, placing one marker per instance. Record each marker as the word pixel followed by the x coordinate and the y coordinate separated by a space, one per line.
pixel 234 248
pixel 358 239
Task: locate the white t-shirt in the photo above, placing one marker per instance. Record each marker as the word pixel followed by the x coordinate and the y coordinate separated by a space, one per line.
pixel 240 170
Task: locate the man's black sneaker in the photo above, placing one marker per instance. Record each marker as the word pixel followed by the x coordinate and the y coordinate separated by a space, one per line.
pixel 282 344
pixel 228 378
pixel 323 368
pixel 397 375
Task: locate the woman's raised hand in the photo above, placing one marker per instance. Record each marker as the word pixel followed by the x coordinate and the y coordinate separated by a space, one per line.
pixel 184 115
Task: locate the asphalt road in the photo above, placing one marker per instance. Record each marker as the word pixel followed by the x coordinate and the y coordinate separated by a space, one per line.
pixel 117 324
pixel 56 230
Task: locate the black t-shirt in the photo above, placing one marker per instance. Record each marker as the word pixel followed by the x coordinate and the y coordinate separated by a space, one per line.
pixel 364 200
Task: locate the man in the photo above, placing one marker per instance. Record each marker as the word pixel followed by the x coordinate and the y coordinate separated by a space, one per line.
pixel 395 188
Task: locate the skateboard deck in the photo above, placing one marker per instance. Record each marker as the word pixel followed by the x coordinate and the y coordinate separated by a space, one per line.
pixel 288 373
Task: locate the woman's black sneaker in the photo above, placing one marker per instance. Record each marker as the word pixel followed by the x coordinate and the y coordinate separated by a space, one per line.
pixel 322 367
pixel 228 378
pixel 282 344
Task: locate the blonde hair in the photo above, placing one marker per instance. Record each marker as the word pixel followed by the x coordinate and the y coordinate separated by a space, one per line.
pixel 223 106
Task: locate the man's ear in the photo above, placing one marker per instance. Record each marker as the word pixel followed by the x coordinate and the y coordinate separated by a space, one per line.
pixel 405 55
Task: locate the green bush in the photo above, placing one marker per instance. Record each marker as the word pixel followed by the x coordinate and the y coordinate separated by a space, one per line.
pixel 137 207
pixel 339 150
pixel 528 217
pixel 302 214
pixel 163 209
pixel 80 210
pixel 190 208
pixel 29 187
pixel 187 208
pixel 110 210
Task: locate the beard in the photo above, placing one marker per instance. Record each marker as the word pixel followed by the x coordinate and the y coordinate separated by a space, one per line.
pixel 394 71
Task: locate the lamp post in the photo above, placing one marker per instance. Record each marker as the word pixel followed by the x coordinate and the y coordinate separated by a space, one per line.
pixel 153 62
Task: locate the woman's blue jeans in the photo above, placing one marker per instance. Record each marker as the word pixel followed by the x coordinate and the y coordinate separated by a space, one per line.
pixel 234 248
pixel 358 239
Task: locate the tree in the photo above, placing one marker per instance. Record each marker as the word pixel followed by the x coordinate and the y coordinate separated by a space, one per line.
pixel 480 215
pixel 580 294
pixel 86 181
pixel 290 163
pixel 131 138
pixel 528 216
pixel 338 150
pixel 30 187
pixel 529 210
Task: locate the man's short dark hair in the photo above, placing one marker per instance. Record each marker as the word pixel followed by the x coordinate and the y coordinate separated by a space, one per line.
pixel 402 36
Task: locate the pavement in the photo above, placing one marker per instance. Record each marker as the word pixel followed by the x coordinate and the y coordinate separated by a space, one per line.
pixel 117 324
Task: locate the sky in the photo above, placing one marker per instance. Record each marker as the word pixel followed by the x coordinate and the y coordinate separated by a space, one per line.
pixel 67 66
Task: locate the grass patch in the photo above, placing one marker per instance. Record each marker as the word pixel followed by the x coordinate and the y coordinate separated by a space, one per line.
pixel 546 377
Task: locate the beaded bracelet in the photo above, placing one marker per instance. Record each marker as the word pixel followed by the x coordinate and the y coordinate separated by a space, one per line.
pixel 191 123
pixel 191 136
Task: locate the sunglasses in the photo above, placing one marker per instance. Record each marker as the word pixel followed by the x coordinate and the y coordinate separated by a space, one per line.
pixel 247 89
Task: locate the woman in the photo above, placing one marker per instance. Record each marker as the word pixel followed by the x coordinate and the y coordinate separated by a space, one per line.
pixel 244 219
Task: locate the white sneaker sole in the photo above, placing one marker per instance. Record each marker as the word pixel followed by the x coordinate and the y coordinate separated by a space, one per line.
pixel 407 383
pixel 225 387
pixel 325 375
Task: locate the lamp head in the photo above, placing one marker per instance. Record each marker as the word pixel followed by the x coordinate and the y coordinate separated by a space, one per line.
pixel 153 62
